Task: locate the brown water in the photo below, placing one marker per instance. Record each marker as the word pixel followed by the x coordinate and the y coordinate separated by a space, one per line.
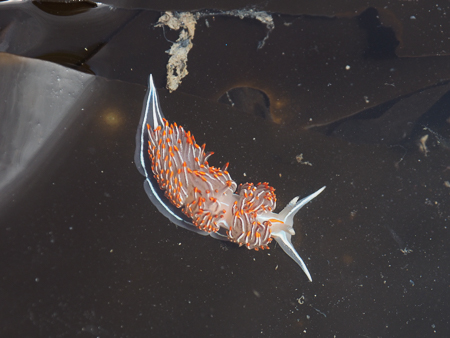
pixel 86 254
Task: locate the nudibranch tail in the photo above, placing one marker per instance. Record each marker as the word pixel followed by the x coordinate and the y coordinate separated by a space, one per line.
pixel 201 198
pixel 152 116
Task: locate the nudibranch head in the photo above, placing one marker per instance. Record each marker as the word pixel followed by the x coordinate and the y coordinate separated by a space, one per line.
pixel 246 229
pixel 178 178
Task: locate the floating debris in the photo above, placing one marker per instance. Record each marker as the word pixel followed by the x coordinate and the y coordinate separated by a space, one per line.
pixel 299 159
pixel 422 145
pixel 177 65
pixel 186 22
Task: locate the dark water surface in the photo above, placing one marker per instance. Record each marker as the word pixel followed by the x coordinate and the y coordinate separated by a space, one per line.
pixel 86 254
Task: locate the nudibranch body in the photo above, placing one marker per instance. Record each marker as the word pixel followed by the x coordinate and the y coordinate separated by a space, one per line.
pixel 179 178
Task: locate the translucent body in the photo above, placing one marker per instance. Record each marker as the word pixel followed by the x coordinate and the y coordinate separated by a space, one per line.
pixel 204 199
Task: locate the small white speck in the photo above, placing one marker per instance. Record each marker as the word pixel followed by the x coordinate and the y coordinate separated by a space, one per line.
pixel 347 67
pixel 412 17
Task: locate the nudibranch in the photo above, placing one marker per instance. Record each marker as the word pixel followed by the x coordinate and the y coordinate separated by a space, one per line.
pixel 201 198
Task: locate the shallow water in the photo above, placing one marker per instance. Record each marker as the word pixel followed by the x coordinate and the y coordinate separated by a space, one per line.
pixel 86 253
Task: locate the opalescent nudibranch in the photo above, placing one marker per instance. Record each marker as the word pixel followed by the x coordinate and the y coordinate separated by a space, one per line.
pixel 196 196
